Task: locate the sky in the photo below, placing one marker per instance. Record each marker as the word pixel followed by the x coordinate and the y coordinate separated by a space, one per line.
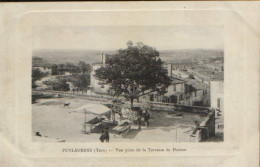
pixel 115 37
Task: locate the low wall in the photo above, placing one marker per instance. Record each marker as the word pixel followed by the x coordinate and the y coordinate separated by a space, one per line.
pixel 206 127
pixel 54 94
pixel 178 107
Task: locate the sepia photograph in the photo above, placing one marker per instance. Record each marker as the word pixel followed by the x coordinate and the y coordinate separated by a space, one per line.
pixel 128 83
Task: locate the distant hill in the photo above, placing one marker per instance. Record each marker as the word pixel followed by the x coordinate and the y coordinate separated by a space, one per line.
pixel 92 56
pixel 181 56
pixel 71 56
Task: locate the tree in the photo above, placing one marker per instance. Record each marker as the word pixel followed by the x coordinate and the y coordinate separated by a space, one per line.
pixel 81 81
pixel 72 68
pixel 84 67
pixel 36 75
pixel 59 84
pixel 54 69
pixel 134 72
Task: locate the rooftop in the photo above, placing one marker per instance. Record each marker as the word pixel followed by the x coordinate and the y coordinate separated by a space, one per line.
pixel 196 84
pixel 176 80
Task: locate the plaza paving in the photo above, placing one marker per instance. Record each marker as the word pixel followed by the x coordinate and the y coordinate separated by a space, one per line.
pixel 56 123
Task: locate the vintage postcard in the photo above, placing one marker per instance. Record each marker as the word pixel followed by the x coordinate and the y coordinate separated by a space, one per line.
pixel 133 81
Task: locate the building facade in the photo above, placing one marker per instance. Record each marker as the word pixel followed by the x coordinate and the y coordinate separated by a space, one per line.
pixel 217 91
pixel 96 85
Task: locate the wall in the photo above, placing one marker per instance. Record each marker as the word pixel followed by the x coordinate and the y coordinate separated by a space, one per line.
pixel 179 88
pixel 180 73
pixel 217 91
pixel 207 126
pixel 95 83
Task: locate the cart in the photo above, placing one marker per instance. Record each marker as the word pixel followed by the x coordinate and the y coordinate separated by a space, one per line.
pixel 122 128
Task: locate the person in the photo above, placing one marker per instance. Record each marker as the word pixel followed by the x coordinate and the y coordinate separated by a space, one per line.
pixel 197 124
pixel 146 118
pixel 147 106
pixel 139 122
pixel 119 111
pixel 113 113
pixel 104 136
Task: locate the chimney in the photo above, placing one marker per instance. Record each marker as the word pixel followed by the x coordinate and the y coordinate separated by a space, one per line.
pixel 103 58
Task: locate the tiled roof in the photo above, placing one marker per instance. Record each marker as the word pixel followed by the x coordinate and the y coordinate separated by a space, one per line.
pixel 196 84
pixel 176 80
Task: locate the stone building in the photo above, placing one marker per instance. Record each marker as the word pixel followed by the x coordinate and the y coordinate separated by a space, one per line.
pixel 217 91
pixel 96 85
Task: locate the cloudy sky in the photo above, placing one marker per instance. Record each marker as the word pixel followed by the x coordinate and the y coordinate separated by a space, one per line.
pixel 115 37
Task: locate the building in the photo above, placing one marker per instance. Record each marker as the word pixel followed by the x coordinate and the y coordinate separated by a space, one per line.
pixel 196 93
pixel 175 92
pixel 217 91
pixel 183 73
pixel 96 85
pixel 184 91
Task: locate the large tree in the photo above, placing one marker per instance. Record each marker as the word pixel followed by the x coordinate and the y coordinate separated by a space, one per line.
pixel 134 72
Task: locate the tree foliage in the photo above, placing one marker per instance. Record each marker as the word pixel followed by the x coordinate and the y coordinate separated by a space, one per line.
pixel 84 67
pixel 59 84
pixel 60 69
pixel 134 71
pixel 81 81
pixel 36 75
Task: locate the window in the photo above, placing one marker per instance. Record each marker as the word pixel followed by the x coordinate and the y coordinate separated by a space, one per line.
pixel 195 93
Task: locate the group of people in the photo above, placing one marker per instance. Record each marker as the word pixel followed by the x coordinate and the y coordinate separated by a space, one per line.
pixel 145 114
pixel 117 108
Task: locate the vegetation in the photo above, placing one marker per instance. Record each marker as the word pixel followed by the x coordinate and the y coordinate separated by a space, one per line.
pixel 36 75
pixel 59 84
pixel 134 72
pixel 60 69
pixel 81 81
